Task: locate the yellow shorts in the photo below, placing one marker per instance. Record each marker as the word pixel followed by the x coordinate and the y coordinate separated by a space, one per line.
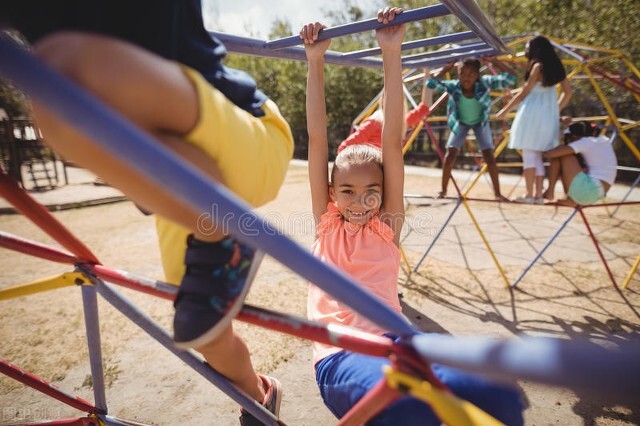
pixel 252 153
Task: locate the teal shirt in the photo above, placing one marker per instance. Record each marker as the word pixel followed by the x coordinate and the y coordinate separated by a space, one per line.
pixel 469 111
pixel 481 93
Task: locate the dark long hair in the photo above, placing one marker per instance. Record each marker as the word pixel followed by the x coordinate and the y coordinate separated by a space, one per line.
pixel 540 50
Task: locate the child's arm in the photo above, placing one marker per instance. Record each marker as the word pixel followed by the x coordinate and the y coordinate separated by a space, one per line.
pixel 534 77
pixel 559 151
pixel 565 87
pixel 390 40
pixel 422 110
pixel 318 154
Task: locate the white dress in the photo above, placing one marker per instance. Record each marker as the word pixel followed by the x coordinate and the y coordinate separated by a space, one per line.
pixel 536 126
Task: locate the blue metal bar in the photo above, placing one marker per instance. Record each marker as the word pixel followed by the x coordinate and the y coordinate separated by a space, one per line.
pixel 154 330
pixel 441 60
pixel 440 231
pixel 433 41
pixel 92 326
pixel 190 187
pixel 471 15
pixel 366 25
pixel 436 53
pixel 574 363
pixel 255 47
pixel 545 247
pixel 633 185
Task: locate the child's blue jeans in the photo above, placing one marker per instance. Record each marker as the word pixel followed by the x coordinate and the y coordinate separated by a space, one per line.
pixel 345 377
pixel 482 132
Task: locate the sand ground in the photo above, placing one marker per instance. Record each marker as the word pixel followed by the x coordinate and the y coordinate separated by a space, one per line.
pixel 457 290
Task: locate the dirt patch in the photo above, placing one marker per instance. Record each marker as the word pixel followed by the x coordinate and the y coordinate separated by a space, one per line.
pixel 457 290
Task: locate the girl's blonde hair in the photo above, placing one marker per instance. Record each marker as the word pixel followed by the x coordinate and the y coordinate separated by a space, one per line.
pixel 355 155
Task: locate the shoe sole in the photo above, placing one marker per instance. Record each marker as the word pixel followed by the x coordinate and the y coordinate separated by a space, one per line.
pixel 217 329
pixel 278 399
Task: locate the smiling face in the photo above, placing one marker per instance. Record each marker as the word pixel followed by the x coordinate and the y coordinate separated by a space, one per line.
pixel 357 191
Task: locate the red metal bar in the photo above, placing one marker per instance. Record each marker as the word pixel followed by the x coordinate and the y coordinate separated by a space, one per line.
pixel 612 79
pixel 378 398
pixel 45 387
pixel 595 242
pixel 40 216
pixel 344 337
pixel 124 279
pixel 81 421
pixel 625 203
pixel 13 242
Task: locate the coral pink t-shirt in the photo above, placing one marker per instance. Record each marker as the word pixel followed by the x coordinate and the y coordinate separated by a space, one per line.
pixel 370 130
pixel 366 253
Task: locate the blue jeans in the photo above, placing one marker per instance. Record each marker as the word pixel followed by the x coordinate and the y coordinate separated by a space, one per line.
pixel 483 136
pixel 345 377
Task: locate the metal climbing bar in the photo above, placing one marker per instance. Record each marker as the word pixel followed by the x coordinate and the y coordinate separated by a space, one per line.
pixel 574 363
pixel 436 53
pixel 64 280
pixel 36 212
pixel 471 15
pixel 425 42
pixel 46 388
pixel 545 247
pixel 255 47
pixel 191 188
pixel 366 25
pixel 142 320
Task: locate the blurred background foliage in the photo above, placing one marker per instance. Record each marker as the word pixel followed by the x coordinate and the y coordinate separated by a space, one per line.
pixel 603 23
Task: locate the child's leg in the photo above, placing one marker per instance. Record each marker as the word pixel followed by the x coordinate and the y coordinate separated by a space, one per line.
pixel 501 401
pixel 529 170
pixel 454 143
pixel 148 90
pixel 570 168
pixel 346 377
pixel 485 141
pixel 554 175
pixel 540 173
pixel 159 97
pixel 449 160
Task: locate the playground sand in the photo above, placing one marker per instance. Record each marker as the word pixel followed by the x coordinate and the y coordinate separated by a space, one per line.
pixel 458 290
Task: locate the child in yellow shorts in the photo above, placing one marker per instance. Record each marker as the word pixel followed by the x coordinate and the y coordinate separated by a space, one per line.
pixel 213 118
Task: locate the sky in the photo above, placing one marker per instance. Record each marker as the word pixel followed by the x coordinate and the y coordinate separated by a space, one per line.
pixel 253 18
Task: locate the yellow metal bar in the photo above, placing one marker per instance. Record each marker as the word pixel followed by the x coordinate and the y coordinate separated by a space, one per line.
pixel 404 258
pixel 497 152
pixel 366 113
pixel 632 67
pixel 631 272
pixel 65 280
pixel 486 243
pixel 599 49
pixel 630 126
pixel 519 41
pixel 604 59
pixel 448 407
pixel 575 71
pixel 612 115
pixel 413 136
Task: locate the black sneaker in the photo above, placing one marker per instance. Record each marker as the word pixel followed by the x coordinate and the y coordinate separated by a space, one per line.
pixel 217 278
pixel 272 401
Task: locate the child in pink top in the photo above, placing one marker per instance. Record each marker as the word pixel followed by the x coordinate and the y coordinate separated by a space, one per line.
pixel 370 129
pixel 359 216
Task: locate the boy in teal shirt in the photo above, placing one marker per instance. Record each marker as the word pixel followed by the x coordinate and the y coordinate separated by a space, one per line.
pixel 469 107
